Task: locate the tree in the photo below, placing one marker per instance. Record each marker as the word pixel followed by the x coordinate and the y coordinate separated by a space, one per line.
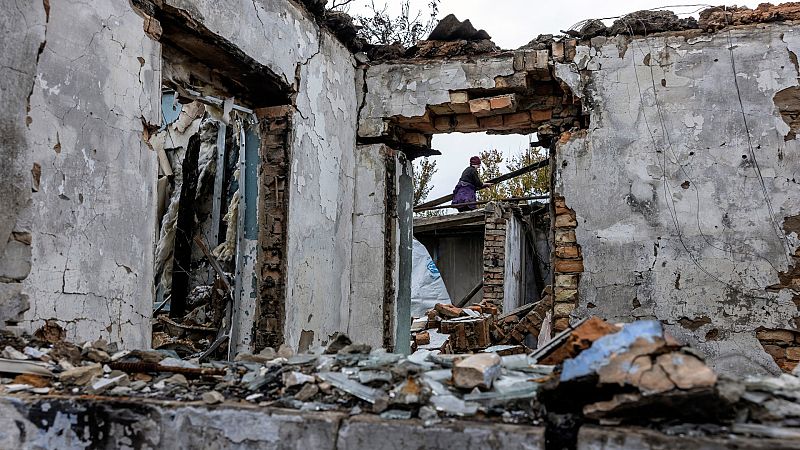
pixel 490 168
pixel 380 27
pixel 527 185
pixel 424 169
pixel 532 183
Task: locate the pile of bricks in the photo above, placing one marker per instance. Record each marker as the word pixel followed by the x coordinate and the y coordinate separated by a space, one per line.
pixel 469 329
pixel 568 264
pixel 517 328
pixel 782 345
pixel 479 327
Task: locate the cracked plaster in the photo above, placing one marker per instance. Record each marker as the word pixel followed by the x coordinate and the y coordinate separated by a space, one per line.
pixel 671 214
pixel 320 224
pixel 91 219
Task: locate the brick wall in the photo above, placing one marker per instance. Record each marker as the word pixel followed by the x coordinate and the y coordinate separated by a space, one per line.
pixel 494 249
pixel 782 345
pixel 567 264
pixel 274 127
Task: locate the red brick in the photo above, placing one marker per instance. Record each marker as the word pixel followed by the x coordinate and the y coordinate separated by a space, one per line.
pixel 568 252
pixel 448 311
pixel 542 115
pixel 520 119
pixel 785 336
pixel 775 351
pixel 566 221
pixel 493 122
pixel 568 266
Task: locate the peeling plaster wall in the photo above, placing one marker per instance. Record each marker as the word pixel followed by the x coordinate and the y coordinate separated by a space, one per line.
pixel 97 81
pixel 367 288
pixel 92 220
pixel 322 72
pixel 671 213
pixel 22 32
pixel 321 201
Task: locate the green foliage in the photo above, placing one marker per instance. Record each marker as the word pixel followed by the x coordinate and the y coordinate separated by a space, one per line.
pixel 527 185
pixel 490 168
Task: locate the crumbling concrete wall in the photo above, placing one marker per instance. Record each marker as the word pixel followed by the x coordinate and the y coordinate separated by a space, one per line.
pixel 322 198
pixel 376 312
pixel 322 74
pixel 92 212
pixel 407 89
pixel 684 186
pixel 22 33
pixel 93 215
pixel 70 423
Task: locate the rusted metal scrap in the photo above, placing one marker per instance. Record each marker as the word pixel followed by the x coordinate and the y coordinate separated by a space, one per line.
pixel 139 367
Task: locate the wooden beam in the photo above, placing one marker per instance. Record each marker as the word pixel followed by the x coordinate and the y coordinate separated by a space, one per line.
pixel 469 296
pixel 500 179
pixel 424 224
pixel 510 199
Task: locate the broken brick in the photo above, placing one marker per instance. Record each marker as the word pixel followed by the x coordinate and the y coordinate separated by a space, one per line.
pixel 448 311
pixel 566 221
pixel 579 340
pixel 422 338
pixel 569 266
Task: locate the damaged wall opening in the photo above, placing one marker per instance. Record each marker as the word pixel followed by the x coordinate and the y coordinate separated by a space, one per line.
pixel 456 249
pixel 503 247
pixel 217 179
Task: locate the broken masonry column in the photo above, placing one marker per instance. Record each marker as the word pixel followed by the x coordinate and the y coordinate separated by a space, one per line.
pixel 494 248
pixel 567 264
pixel 273 207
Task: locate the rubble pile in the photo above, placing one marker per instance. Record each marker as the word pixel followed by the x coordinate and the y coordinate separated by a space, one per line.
pixel 341 376
pixel 642 23
pixel 717 18
pixel 595 372
pixel 451 329
pixel 452 37
pixel 193 333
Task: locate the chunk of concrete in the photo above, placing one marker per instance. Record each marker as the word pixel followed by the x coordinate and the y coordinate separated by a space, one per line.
pixel 291 379
pixel 13 303
pixel 687 371
pixel 478 370
pixel 452 29
pixel 80 376
pixel 212 398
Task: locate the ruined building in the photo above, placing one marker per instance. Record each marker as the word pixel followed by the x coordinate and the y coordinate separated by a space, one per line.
pixel 150 146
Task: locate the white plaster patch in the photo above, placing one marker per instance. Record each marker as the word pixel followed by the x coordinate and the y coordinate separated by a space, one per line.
pixel 768 81
pixel 89 161
pixel 692 120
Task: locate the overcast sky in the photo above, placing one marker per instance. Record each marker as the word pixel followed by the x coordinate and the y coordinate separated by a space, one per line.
pixel 512 24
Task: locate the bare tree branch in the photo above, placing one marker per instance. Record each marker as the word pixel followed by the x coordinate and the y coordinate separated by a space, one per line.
pixel 340 3
pixel 379 27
